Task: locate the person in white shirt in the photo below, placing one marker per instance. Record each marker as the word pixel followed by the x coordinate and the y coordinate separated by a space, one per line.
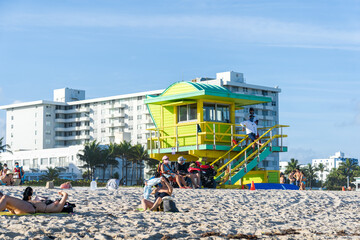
pixel 251 113
pixel 251 129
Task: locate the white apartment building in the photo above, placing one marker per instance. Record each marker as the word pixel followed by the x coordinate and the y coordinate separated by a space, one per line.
pixel 72 120
pixel 329 163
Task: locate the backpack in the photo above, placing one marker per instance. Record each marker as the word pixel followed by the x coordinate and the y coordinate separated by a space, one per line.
pixel 169 205
pixel 112 184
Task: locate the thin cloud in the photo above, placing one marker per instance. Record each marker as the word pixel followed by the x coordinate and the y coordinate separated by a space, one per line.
pixel 256 30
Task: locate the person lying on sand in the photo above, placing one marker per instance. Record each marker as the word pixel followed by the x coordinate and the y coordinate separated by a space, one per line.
pixel 163 189
pixel 18 206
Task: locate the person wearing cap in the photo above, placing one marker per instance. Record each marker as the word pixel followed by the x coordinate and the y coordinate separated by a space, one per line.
pixel 167 172
pixel 181 168
pixel 251 129
pixel 251 113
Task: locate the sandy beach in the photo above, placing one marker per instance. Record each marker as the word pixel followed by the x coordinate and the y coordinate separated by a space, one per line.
pixel 204 214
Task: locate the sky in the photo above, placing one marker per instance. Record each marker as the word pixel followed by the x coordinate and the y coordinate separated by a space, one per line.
pixel 310 49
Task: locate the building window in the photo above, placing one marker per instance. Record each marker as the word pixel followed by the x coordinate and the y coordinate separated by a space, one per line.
pixel 131 108
pixel 87 132
pixel 12 117
pixel 48 132
pixel 139 117
pixel 47 141
pixel 131 118
pixel 12 126
pixel 264 93
pixel 103 130
pixel 47 115
pixel 216 113
pixel 187 112
pixel 44 161
pixel 139 136
pixel 130 127
pixel 139 108
pixel 87 123
pixel 245 89
pixel 139 127
pixel 78 124
pixel 139 98
pixel 103 120
pixel 78 133
pixel 273 103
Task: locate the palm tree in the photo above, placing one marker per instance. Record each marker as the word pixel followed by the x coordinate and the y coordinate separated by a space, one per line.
pixel 91 155
pixel 107 158
pixel 51 174
pixel 310 173
pixel 125 154
pixel 348 168
pixel 292 166
pixel 139 155
pixel 320 168
pixel 4 147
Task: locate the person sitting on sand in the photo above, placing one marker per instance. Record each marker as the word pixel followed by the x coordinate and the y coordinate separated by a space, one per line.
pixel 7 180
pixel 181 168
pixel 18 206
pixel 162 190
pixel 4 170
pixel 167 172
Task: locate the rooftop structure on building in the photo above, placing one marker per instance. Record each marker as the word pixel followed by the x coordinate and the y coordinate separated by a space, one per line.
pixel 71 120
pixel 330 163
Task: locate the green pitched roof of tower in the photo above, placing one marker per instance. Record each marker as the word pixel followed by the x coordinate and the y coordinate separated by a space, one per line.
pixel 191 91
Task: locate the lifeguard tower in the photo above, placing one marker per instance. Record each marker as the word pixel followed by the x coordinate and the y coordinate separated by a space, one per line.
pixel 197 120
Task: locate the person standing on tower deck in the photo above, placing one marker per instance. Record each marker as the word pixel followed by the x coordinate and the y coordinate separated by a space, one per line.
pixel 251 129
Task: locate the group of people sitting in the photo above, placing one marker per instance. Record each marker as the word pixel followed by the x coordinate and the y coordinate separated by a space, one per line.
pixel 29 205
pixel 9 178
pixel 182 174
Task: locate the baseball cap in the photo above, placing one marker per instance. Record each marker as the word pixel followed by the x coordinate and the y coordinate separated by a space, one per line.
pixel 181 158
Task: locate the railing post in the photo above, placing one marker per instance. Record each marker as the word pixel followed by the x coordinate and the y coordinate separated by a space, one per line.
pixel 214 136
pixel 197 138
pixel 271 141
pixel 232 135
pixel 158 133
pixel 176 139
pixel 258 152
pixel 281 133
pixel 151 142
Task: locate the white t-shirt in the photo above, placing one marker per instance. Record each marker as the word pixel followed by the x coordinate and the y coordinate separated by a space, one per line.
pixel 250 127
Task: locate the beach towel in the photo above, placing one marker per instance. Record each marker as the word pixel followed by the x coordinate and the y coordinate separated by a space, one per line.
pixel 11 214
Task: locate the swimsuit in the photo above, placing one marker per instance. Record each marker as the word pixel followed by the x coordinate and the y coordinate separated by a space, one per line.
pixel 160 195
pixel 2 183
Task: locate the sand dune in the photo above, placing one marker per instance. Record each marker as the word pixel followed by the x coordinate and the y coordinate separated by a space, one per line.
pixel 204 213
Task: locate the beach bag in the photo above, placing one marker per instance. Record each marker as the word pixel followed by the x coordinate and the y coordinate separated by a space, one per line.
pixel 68 207
pixel 50 185
pixel 112 184
pixel 66 185
pixel 169 205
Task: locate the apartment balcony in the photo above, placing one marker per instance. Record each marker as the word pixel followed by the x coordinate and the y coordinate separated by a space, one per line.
pixel 115 106
pixel 63 138
pixel 70 129
pixel 78 110
pixel 68 120
pixel 115 115
pixel 115 124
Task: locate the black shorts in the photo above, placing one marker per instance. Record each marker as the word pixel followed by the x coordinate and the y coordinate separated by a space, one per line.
pixel 252 136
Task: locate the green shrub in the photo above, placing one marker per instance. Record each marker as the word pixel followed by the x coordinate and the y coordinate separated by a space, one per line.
pixel 58 182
